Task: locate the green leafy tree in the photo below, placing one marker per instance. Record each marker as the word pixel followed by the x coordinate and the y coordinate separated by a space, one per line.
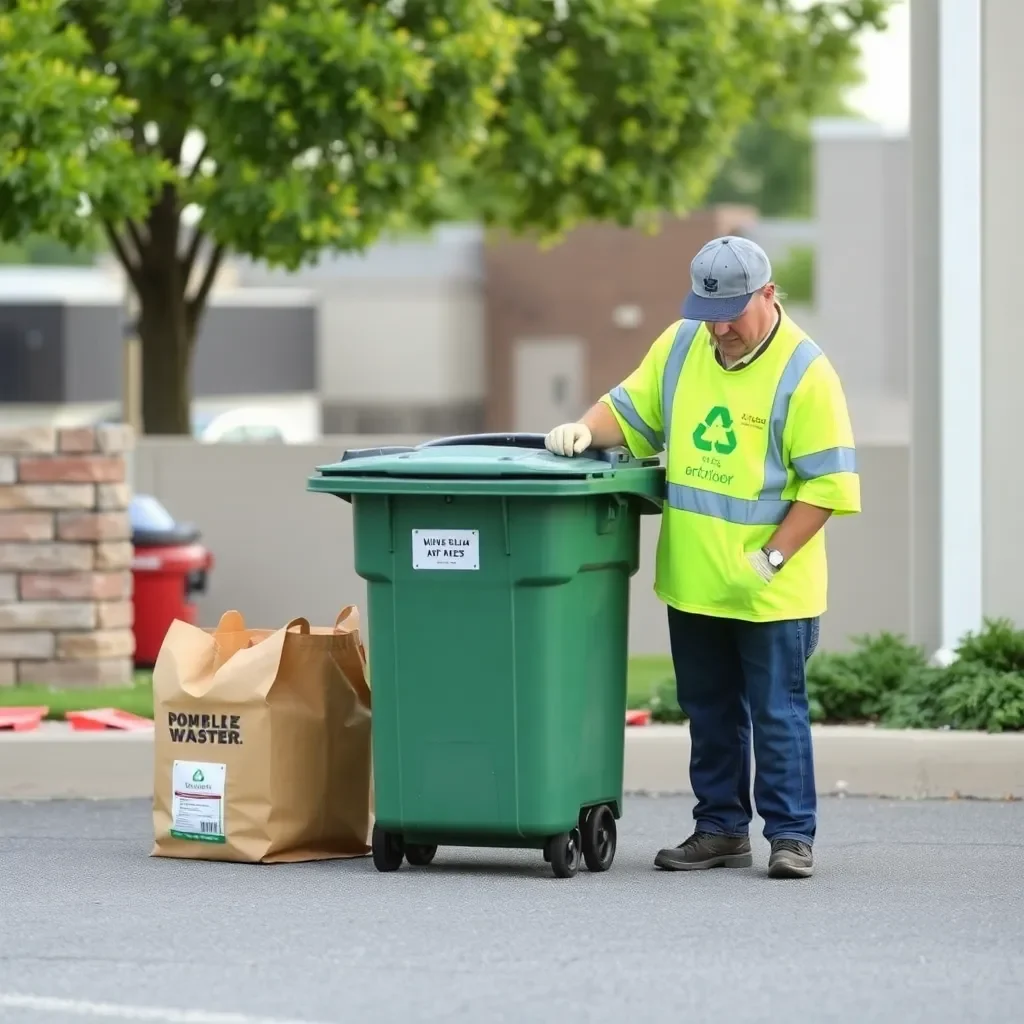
pixel 45 251
pixel 324 123
pixel 771 165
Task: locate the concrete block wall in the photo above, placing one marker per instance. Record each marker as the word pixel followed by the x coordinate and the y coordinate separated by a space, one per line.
pixel 65 556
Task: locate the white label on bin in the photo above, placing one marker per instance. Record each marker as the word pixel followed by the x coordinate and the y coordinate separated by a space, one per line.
pixel 446 549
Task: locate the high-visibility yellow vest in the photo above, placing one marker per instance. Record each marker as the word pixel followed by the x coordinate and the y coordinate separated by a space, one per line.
pixel 741 445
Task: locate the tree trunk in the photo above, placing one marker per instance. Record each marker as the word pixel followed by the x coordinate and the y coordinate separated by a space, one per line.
pixel 168 315
pixel 167 345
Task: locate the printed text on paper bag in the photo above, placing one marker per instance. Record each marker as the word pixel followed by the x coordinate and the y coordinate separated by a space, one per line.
pixel 190 728
pixel 446 549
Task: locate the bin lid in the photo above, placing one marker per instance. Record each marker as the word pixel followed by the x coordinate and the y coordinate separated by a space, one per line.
pixel 153 526
pixel 147 513
pixel 489 463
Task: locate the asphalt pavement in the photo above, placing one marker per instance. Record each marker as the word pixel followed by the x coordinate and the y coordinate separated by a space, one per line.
pixel 915 914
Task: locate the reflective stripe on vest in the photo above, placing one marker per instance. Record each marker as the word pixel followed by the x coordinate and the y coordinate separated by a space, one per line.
pixel 769 508
pixel 673 370
pixel 627 410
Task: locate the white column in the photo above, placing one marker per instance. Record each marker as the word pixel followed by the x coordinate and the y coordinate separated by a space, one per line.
pixel 925 328
pixel 960 311
pixel 967 215
pixel 1003 295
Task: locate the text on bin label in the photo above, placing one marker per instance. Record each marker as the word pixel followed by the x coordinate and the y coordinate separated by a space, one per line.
pixel 446 549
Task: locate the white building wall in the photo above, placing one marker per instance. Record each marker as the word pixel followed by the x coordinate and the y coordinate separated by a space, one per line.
pixel 860 201
pixel 417 341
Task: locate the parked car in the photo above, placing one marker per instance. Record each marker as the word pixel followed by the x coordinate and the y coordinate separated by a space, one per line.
pixel 247 424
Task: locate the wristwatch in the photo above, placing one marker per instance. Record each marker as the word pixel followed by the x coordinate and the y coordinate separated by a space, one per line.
pixel 775 558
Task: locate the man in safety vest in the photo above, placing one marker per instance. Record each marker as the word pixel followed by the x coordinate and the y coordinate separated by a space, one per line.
pixel 759 454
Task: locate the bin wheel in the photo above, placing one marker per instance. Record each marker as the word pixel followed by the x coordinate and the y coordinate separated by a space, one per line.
pixel 599 838
pixel 419 855
pixel 563 851
pixel 388 850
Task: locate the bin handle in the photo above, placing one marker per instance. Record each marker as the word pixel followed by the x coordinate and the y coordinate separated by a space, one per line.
pixel 302 623
pixel 607 517
pixel 523 440
pixel 514 440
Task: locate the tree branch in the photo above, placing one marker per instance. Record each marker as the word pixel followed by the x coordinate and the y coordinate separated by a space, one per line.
pixel 188 261
pixel 198 301
pixel 195 167
pixel 133 230
pixel 131 269
pixel 139 143
pixel 171 145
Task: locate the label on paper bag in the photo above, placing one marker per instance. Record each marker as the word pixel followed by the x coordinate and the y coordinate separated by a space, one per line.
pixel 446 549
pixel 197 801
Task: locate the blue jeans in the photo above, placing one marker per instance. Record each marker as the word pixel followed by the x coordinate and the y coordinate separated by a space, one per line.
pixel 731 675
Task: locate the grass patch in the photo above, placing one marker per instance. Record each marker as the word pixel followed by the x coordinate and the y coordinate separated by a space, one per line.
pixel 646 675
pixel 137 698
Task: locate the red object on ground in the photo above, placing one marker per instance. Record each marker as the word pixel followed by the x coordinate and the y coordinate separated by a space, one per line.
pixel 163 578
pixel 106 718
pixel 21 719
pixel 638 717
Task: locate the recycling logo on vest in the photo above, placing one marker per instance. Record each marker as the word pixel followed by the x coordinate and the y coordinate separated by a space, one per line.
pixel 715 432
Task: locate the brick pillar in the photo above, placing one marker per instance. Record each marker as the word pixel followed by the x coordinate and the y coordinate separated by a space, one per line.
pixel 65 556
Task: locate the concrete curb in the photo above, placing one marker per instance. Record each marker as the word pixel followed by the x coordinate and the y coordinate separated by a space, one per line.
pixel 56 763
pixel 858 761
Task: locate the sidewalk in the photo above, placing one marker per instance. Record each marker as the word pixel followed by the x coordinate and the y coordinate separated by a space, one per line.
pixel 55 762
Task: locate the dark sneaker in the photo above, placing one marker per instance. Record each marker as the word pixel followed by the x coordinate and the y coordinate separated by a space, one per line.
pixel 790 858
pixel 706 850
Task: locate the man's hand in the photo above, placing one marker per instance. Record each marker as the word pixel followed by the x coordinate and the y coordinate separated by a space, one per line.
pixel 759 563
pixel 802 522
pixel 569 439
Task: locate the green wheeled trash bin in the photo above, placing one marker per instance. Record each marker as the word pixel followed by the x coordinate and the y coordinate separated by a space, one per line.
pixel 498 596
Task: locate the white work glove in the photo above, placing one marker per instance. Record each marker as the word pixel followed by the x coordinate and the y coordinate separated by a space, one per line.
pixel 569 439
pixel 759 563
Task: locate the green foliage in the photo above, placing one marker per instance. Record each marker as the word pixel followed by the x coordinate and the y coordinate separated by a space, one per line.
pixel 41 250
pixel 978 697
pixel 770 165
pixel 982 689
pixel 858 686
pixel 62 127
pixel 999 646
pixel 887 681
pixel 136 698
pixel 630 107
pixel 770 168
pixel 664 703
pixel 795 274
pixel 966 695
pixel 322 124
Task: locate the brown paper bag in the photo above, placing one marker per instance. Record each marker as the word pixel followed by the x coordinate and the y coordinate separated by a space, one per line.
pixel 262 742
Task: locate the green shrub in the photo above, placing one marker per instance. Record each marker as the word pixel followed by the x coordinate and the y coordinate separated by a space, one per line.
pixel 887 680
pixel 664 704
pixel 966 695
pixel 999 646
pixel 917 703
pixel 859 686
pixel 989 700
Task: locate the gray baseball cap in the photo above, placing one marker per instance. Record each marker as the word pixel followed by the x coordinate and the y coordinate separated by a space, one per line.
pixel 723 276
